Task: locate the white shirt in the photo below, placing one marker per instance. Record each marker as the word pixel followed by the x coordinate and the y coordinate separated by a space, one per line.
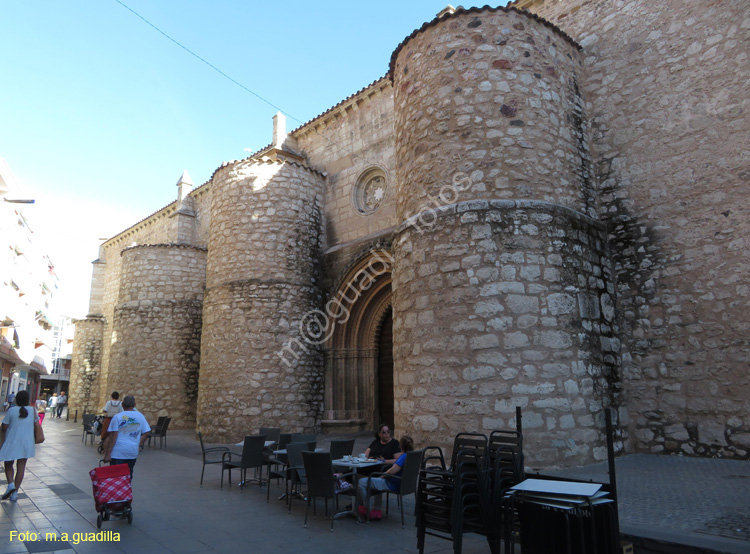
pixel 129 426
pixel 112 407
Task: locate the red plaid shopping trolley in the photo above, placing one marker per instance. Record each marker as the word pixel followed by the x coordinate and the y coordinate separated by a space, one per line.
pixel 112 493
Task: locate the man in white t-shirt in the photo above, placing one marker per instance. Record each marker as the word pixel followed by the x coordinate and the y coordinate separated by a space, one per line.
pixel 128 431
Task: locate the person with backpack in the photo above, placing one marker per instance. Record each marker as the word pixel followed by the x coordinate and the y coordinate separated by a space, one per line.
pixel 111 409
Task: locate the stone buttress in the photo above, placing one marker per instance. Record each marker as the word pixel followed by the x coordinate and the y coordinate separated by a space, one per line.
pixel 502 293
pixel 262 283
pixel 157 329
pixel 85 384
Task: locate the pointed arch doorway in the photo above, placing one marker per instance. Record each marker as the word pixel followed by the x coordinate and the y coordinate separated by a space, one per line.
pixel 359 352
pixel 385 369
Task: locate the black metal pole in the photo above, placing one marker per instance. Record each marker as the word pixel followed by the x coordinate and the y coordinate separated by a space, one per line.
pixel 612 472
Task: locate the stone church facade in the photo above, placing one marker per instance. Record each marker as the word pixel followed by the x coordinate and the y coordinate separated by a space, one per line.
pixel 545 208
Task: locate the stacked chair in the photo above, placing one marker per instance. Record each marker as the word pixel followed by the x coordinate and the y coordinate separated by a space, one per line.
pixel 465 496
pixel 579 517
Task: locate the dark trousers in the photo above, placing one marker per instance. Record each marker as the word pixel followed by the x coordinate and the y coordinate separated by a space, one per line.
pixel 60 410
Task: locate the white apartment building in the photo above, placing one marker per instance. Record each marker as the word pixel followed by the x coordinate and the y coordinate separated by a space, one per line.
pixel 34 339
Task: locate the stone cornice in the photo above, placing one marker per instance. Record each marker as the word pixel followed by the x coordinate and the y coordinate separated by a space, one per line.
pixel 164 245
pixel 485 205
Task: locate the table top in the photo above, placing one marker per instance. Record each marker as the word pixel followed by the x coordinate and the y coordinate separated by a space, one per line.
pixel 283 450
pixel 265 444
pixel 357 463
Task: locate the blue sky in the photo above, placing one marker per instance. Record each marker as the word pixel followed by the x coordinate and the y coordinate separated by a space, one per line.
pixel 100 113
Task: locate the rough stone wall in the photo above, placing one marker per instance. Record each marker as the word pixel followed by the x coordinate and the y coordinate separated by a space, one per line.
pixel 98 277
pixel 517 312
pixel 155 229
pixel 85 382
pixel 155 352
pixel 263 277
pixel 494 95
pixel 499 301
pixel 353 137
pixel 159 228
pixel 497 100
pixel 666 84
pixel 201 200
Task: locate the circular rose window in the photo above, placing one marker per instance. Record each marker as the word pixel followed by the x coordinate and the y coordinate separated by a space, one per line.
pixel 369 191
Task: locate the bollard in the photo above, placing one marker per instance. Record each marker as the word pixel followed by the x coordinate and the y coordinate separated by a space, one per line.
pixel 75 417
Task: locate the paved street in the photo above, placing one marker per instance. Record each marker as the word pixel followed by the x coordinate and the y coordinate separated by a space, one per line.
pixel 692 501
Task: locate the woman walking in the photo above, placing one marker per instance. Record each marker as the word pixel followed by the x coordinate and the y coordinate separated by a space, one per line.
pixel 17 442
pixel 41 409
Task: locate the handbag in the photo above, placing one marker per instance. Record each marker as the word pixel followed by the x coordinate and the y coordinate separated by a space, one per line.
pixel 38 433
pixel 341 484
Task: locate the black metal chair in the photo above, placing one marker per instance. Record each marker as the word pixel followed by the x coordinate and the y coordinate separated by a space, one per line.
pixel 311 440
pixel 339 449
pixel 408 482
pixel 505 452
pixel 277 463
pixel 159 422
pixel 284 439
pixel 156 427
pixel 160 431
pixel 469 442
pixel 321 482
pixel 295 471
pixel 271 433
pixel 88 427
pixel 252 458
pixel 456 500
pixel 211 455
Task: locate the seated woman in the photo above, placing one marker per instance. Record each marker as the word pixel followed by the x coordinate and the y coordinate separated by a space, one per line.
pixel 384 447
pixel 384 484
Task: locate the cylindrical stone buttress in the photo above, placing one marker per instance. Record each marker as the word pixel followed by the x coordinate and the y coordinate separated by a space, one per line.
pixel 155 352
pixel 85 377
pixel 501 284
pixel 260 363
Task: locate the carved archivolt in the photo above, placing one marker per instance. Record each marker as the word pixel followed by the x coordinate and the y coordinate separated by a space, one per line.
pixel 361 301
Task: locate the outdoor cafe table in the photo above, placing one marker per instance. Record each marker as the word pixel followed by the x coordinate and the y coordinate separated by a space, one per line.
pixel 283 450
pixel 265 444
pixel 355 464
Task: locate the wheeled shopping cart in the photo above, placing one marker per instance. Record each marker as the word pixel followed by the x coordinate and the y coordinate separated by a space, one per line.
pixel 113 495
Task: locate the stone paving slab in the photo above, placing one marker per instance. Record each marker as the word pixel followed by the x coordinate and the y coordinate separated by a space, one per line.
pixel 172 513
pixel 698 502
pixel 690 501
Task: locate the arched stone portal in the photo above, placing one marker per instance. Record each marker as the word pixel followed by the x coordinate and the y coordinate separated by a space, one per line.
pixel 356 374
